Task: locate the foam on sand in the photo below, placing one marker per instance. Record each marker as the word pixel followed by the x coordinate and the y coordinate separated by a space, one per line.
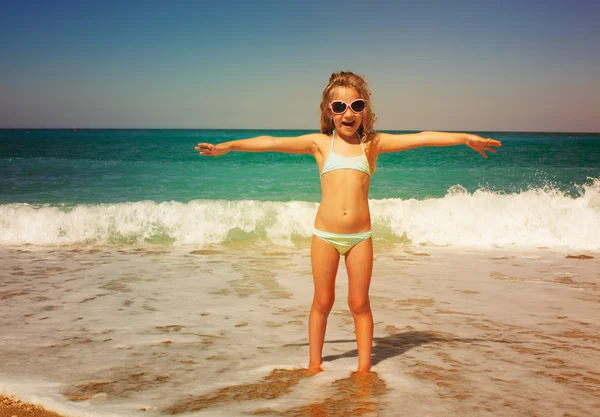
pixel 223 332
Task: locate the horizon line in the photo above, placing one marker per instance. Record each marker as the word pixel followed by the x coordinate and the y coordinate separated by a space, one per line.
pixel 290 129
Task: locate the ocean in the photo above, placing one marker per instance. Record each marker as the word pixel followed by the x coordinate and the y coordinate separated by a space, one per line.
pixel 141 279
pixel 150 186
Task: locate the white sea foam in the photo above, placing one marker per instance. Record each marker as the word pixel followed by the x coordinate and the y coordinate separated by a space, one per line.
pixel 531 218
pixel 47 394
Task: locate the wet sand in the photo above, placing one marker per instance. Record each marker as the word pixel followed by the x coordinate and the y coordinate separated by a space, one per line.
pixel 11 407
pixel 457 332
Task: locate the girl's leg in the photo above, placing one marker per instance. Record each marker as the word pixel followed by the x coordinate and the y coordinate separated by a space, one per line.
pixel 359 264
pixel 325 260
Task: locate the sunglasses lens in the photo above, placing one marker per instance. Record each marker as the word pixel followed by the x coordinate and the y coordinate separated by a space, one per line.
pixel 338 107
pixel 358 106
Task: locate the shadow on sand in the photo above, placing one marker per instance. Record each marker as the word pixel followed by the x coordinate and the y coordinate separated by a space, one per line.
pixel 356 395
pixel 399 343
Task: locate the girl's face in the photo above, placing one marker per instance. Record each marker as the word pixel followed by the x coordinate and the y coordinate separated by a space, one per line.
pixel 346 123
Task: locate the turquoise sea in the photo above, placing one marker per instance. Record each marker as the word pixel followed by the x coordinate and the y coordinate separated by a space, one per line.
pixel 137 186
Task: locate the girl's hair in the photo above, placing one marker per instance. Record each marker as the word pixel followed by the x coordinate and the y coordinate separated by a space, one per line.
pixel 348 79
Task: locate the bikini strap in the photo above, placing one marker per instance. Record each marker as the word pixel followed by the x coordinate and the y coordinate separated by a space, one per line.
pixel 361 144
pixel 332 140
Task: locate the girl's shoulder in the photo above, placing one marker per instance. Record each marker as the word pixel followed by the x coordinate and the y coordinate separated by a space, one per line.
pixel 320 141
pixel 320 137
pixel 317 135
pixel 372 138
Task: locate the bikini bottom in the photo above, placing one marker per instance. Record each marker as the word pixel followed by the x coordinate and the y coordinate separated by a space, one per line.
pixel 343 242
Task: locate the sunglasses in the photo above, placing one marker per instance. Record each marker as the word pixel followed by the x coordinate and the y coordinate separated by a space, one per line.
pixel 339 106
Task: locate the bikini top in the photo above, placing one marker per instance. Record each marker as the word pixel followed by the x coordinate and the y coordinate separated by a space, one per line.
pixel 336 161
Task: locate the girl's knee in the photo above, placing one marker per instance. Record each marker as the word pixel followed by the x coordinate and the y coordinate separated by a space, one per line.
pixel 359 306
pixel 323 303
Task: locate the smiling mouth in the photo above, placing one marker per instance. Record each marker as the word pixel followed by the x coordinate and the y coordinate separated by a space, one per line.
pixel 349 124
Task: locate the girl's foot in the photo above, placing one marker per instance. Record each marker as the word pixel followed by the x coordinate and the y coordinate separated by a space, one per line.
pixel 314 369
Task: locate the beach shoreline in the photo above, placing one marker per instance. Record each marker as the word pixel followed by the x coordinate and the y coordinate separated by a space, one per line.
pixel 117 330
pixel 10 407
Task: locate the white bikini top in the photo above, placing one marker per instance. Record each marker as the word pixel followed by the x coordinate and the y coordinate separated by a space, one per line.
pixel 336 161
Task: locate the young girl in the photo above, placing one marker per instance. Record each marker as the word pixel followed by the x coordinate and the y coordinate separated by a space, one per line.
pixel 346 153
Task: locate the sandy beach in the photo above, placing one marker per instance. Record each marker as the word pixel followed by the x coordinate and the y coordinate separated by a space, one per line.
pixel 221 331
pixel 10 407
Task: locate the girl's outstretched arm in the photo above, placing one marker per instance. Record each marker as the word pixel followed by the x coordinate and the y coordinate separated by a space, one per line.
pixel 305 144
pixel 394 143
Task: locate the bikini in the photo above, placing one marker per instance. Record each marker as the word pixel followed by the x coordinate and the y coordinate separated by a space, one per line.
pixel 344 242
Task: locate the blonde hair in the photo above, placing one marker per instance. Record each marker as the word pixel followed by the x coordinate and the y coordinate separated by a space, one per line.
pixel 359 83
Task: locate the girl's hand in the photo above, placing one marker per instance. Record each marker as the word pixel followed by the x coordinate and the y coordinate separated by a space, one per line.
pixel 212 150
pixel 482 144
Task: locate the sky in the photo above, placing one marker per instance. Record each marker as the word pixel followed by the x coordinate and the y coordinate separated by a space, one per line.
pixel 431 65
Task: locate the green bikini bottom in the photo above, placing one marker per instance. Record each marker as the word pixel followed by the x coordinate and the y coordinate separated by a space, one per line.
pixel 343 242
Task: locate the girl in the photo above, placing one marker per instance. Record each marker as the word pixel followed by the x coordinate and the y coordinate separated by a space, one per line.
pixel 346 153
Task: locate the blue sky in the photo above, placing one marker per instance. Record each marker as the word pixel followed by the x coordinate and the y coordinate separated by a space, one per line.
pixel 463 65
